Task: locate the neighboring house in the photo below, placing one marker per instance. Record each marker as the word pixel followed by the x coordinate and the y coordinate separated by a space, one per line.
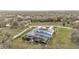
pixel 39 34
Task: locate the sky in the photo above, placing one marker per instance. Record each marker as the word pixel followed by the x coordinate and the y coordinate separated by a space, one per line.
pixel 39 5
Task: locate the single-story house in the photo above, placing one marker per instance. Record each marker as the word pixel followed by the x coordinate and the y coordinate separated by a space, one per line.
pixel 39 34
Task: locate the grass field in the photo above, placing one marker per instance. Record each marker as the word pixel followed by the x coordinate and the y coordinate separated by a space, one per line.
pixel 61 39
pixel 11 31
pixel 50 23
pixel 46 23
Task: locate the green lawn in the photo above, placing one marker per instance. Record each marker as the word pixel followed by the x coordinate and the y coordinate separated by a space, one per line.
pixel 61 39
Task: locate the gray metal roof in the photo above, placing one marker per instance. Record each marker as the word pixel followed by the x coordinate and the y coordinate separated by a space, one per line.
pixel 41 32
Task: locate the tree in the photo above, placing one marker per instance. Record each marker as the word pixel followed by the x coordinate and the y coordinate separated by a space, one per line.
pixel 76 25
pixel 75 36
pixel 14 24
pixel 5 39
